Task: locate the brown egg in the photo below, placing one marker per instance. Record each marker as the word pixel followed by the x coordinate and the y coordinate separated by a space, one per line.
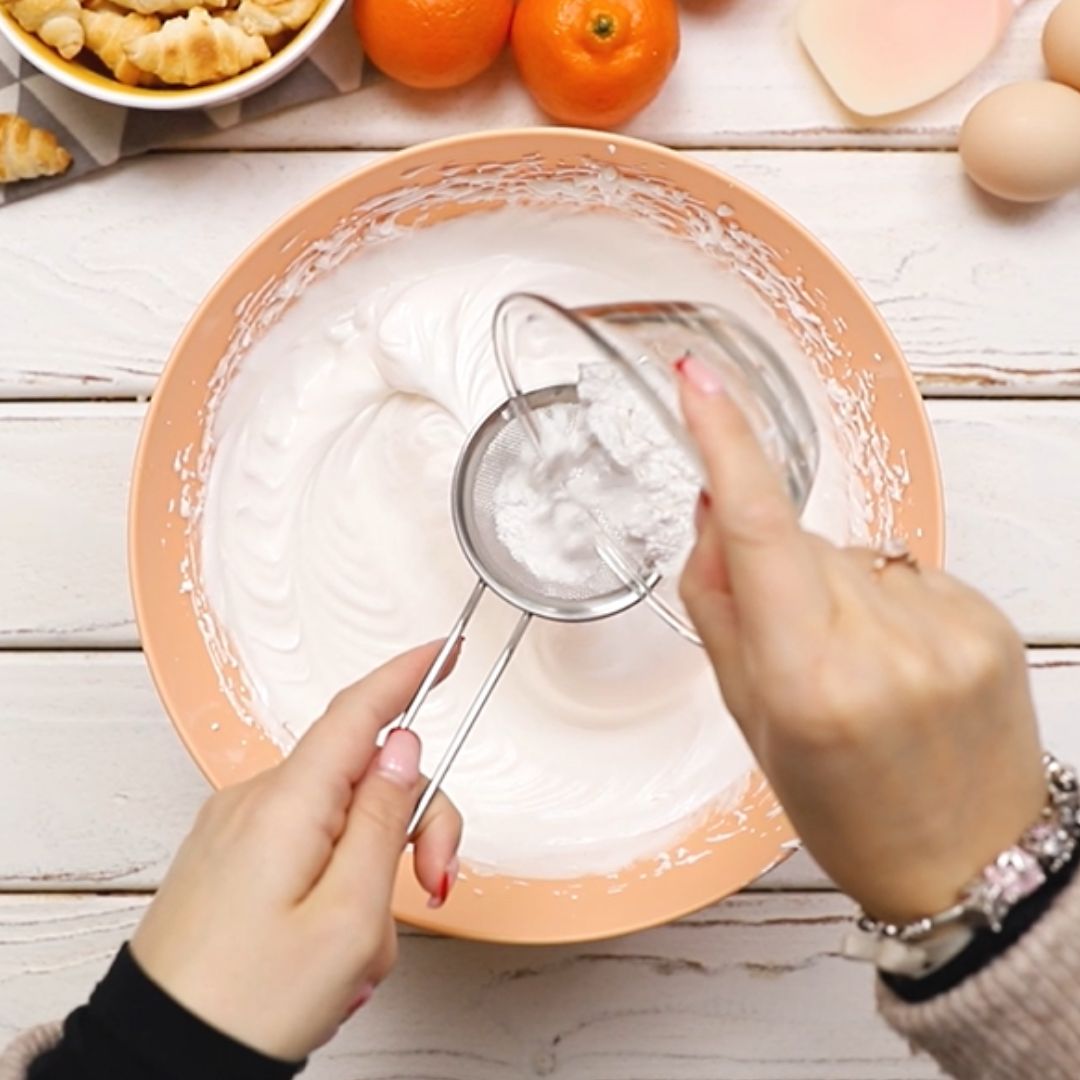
pixel 1061 43
pixel 1022 142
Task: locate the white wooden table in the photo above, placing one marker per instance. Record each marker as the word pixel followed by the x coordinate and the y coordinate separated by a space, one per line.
pixel 95 791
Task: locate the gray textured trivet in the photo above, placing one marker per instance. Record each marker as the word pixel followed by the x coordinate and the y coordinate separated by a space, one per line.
pixel 98 135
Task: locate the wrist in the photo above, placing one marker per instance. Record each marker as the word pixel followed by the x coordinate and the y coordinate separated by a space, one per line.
pixel 200 984
pixel 929 871
pixel 984 946
pixel 1018 872
pixel 161 1032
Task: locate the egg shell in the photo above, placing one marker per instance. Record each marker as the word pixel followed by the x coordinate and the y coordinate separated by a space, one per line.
pixel 883 56
pixel 1061 43
pixel 1022 142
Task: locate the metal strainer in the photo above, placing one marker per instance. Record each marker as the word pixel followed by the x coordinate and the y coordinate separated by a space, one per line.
pixel 547 356
pixel 495 445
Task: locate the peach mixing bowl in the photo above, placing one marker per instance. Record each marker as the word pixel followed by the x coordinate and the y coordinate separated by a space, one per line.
pixel 835 322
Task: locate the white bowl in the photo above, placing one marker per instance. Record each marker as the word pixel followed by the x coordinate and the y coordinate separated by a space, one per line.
pixel 84 80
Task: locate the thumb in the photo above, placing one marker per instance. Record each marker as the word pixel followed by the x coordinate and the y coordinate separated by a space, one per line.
pixel 706 594
pixel 365 859
pixel 705 591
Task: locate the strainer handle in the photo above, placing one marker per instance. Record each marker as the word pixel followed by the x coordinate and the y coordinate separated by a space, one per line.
pixel 432 677
pixel 469 722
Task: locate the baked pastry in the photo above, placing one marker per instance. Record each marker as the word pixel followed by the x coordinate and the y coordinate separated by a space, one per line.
pixel 109 31
pixel 270 17
pixel 56 22
pixel 27 152
pixel 197 49
pixel 274 42
pixel 168 7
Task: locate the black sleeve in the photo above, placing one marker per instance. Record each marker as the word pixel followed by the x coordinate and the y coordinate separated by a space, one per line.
pixel 986 946
pixel 132 1030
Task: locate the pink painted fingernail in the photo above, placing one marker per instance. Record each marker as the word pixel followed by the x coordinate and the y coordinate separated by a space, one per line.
pixel 701 376
pixel 437 899
pixel 399 759
pixel 364 995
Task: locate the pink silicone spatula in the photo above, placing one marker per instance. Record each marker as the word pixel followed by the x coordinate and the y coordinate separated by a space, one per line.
pixel 883 56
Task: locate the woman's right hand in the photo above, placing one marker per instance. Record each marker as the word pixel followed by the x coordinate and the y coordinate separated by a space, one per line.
pixel 889 708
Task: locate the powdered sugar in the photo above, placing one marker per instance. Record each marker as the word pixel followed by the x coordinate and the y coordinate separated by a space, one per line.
pixel 605 469
pixel 542 525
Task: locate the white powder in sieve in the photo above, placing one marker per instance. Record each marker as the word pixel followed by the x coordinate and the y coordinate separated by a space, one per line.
pixel 606 468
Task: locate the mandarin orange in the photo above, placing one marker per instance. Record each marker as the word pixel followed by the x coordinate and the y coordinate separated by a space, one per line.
pixel 595 62
pixel 433 44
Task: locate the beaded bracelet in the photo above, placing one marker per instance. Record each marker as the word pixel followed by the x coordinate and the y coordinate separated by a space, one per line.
pixel 919 947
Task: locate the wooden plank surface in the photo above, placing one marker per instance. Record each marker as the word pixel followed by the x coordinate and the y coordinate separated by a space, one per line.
pixel 96 791
pixel 107 271
pixel 734 992
pixel 1010 471
pixel 64 472
pixel 741 80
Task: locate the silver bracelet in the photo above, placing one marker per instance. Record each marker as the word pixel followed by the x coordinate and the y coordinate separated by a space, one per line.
pixel 917 947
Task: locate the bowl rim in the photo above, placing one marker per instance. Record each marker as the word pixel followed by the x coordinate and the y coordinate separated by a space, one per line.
pixel 81 79
pixel 412 910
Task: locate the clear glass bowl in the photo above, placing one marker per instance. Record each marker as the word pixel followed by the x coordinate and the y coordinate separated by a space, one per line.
pixel 633 467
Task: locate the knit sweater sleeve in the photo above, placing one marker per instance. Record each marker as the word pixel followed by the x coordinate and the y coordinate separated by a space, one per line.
pixel 16 1059
pixel 1017 1018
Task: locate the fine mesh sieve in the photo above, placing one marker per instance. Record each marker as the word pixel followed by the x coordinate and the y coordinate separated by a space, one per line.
pixel 496 445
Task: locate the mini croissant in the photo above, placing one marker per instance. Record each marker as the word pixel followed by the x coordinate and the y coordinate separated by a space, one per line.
pixel 56 22
pixel 197 49
pixel 27 152
pixel 168 7
pixel 275 42
pixel 269 17
pixel 109 32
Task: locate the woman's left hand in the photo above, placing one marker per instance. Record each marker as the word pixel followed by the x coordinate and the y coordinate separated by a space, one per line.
pixel 889 708
pixel 273 923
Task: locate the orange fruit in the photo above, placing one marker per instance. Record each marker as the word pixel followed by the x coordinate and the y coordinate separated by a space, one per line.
pixel 595 62
pixel 433 44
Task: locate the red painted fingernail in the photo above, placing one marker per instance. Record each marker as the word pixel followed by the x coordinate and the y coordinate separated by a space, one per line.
pixel 700 375
pixel 701 510
pixel 365 994
pixel 399 759
pixel 446 883
pixel 437 899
